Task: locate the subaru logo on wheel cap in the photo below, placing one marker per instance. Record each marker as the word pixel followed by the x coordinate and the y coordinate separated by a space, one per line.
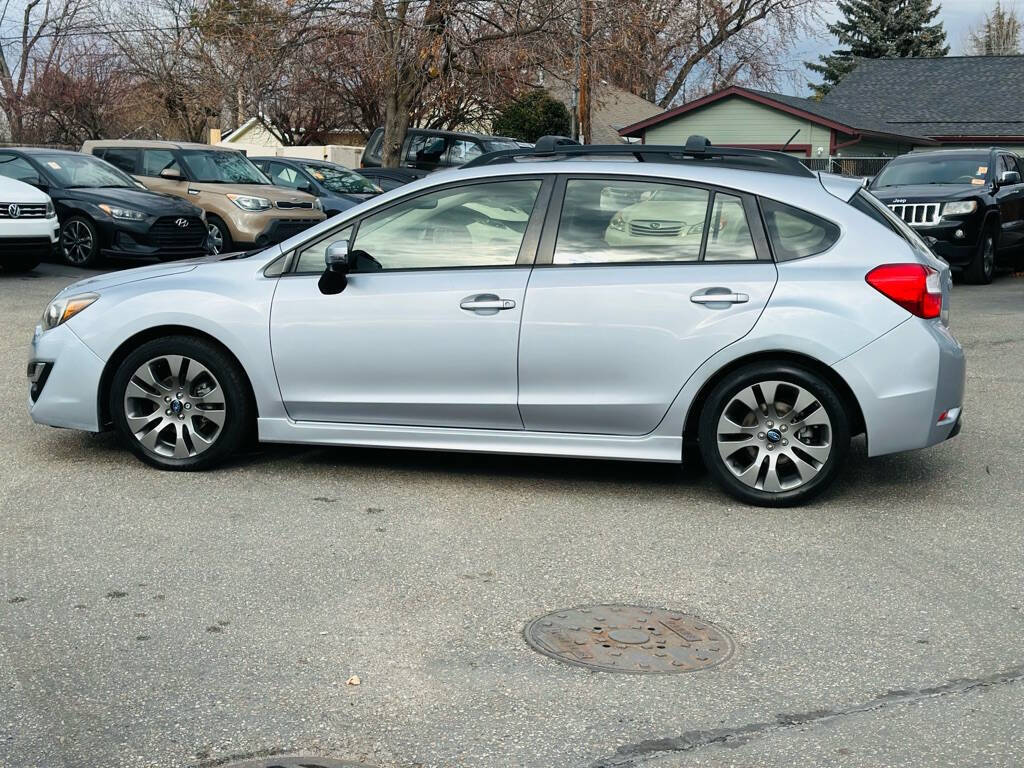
pixel 181 222
pixel 14 210
pixel 774 435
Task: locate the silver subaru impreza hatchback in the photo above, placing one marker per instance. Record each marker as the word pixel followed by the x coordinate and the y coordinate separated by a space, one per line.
pixel 635 302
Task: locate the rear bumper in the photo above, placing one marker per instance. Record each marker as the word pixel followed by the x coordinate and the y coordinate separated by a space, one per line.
pixel 907 384
pixel 70 374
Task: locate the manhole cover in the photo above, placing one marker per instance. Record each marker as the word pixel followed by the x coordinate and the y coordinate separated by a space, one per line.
pixel 296 762
pixel 630 638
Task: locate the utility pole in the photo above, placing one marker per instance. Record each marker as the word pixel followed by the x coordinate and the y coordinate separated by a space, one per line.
pixel 583 70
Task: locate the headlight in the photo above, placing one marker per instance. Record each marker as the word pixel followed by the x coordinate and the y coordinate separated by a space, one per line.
pixel 317 204
pixel 117 212
pixel 618 223
pixel 249 203
pixel 959 208
pixel 61 310
pixel 50 210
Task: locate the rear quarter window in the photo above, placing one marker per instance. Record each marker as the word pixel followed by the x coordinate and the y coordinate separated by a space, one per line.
pixel 795 233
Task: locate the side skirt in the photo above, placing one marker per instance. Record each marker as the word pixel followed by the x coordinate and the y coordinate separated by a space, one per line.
pixel 652 447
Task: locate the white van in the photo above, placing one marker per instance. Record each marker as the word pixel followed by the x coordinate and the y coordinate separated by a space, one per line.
pixel 28 225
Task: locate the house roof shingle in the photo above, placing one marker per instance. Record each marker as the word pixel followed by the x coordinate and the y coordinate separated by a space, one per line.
pixel 947 96
pixel 613 108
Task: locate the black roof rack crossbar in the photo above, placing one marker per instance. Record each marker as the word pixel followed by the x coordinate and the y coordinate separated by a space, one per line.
pixel 697 149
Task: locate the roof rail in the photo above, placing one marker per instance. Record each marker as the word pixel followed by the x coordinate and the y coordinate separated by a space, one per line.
pixel 697 149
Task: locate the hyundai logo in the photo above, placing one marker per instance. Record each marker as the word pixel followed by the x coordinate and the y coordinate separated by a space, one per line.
pixel 181 222
pixel 14 210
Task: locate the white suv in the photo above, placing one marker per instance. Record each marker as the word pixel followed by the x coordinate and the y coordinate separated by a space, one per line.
pixel 28 225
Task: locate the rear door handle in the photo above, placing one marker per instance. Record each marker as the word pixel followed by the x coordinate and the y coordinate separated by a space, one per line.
pixel 719 298
pixel 486 302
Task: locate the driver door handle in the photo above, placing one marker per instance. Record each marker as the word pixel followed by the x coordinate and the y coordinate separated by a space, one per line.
pixel 720 298
pixel 485 302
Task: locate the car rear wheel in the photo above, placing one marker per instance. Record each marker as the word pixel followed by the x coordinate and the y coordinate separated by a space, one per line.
pixel 180 403
pixel 982 268
pixel 220 235
pixel 774 435
pixel 79 242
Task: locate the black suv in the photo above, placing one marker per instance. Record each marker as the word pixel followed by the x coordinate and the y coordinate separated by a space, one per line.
pixel 104 212
pixel 428 149
pixel 968 204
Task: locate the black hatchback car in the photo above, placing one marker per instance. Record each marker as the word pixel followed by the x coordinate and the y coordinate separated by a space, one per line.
pixel 337 187
pixel 968 204
pixel 104 212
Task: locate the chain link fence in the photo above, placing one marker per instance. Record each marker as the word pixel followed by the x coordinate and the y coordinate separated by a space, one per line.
pixel 847 166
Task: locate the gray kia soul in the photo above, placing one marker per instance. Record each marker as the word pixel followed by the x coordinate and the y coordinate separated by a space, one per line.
pixel 621 302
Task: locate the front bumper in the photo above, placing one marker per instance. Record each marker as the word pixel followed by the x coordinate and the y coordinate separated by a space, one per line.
pixel 907 383
pixel 955 251
pixel 68 393
pixel 154 238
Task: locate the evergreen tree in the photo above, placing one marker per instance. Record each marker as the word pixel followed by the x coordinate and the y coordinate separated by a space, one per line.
pixel 873 29
pixel 999 34
pixel 532 115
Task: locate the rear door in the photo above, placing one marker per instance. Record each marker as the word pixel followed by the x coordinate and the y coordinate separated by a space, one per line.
pixel 637 283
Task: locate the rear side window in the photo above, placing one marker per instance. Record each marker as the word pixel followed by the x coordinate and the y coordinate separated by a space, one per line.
pixel 124 159
pixel 795 233
pixel 372 151
pixel 609 221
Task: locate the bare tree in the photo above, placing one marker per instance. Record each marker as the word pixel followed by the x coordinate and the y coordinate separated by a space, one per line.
pixel 42 29
pixel 998 34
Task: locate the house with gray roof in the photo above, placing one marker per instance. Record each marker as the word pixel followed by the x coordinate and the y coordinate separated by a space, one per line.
pixel 884 107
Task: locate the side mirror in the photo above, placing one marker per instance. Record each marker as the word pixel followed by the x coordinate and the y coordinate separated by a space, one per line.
pixel 1006 178
pixel 336 258
pixel 171 174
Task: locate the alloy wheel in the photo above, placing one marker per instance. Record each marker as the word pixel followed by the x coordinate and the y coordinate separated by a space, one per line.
pixel 174 406
pixel 216 237
pixel 988 257
pixel 77 242
pixel 774 436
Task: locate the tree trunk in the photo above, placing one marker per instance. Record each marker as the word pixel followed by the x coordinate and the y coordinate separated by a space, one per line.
pixel 396 125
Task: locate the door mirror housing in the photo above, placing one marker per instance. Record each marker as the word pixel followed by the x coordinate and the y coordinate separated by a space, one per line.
pixel 1006 178
pixel 336 258
pixel 171 174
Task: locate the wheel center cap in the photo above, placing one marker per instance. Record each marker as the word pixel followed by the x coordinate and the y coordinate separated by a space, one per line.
pixel 176 406
pixel 773 435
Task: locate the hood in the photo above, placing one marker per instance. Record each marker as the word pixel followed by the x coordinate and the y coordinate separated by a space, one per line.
pixel 152 203
pixel 926 193
pixel 14 191
pixel 269 191
pixel 111 279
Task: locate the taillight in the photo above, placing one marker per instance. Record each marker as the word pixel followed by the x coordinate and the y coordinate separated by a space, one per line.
pixel 914 287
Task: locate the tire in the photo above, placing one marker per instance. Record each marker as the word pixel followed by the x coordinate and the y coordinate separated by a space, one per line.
pixel 208 423
pixel 982 268
pixel 220 235
pixel 80 243
pixel 19 263
pixel 737 423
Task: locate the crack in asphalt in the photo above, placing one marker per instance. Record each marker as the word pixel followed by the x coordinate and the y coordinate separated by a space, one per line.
pixel 630 755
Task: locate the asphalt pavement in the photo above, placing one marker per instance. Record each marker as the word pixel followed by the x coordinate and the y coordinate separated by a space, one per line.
pixel 168 619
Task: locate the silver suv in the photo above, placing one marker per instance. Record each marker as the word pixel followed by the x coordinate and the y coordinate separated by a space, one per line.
pixel 625 302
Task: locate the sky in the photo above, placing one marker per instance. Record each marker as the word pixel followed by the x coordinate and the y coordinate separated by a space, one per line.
pixel 958 17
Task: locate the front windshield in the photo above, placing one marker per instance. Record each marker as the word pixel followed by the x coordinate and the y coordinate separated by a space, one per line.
pixel 937 169
pixel 342 180
pixel 221 167
pixel 71 170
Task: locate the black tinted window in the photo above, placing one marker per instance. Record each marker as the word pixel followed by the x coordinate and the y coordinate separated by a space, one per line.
pixel 14 167
pixel 125 159
pixel 795 233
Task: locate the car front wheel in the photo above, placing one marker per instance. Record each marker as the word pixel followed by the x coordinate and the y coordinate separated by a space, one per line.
pixel 180 403
pixel 774 435
pixel 79 242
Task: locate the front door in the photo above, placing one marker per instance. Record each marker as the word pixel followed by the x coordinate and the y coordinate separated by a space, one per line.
pixel 1011 206
pixel 644 281
pixel 427 330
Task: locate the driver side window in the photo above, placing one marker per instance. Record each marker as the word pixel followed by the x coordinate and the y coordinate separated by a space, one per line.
pixel 474 225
